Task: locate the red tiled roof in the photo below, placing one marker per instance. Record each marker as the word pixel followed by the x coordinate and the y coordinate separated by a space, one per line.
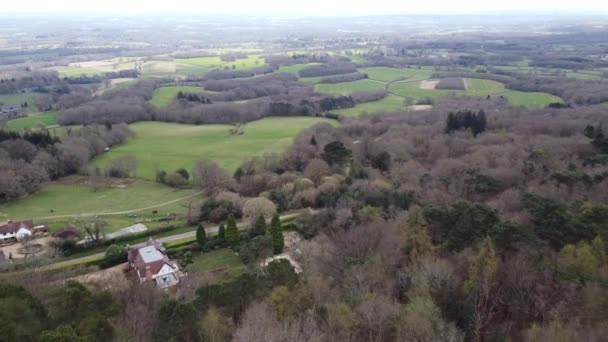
pixel 13 227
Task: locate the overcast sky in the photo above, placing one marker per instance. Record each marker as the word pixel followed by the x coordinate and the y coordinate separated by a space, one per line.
pixel 300 7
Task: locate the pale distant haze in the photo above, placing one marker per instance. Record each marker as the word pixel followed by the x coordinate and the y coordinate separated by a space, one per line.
pixel 307 7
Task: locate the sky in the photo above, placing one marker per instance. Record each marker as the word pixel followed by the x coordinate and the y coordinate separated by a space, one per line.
pixel 301 7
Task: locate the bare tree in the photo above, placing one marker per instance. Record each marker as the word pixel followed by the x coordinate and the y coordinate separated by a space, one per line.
pixel 208 176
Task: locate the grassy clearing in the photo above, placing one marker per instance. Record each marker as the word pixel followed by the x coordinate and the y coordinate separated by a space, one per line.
pixel 391 103
pixel 222 258
pixel 477 87
pixel 295 69
pixel 72 197
pixel 18 99
pixel 350 87
pixel 171 146
pixel 584 75
pixel 250 62
pixel 45 119
pixel 393 74
pixel 531 100
pixel 94 68
pixel 163 96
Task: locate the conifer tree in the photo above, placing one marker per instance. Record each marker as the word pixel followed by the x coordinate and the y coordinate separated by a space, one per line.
pixel 276 233
pixel 232 233
pixel 201 235
pixel 260 226
pixel 221 233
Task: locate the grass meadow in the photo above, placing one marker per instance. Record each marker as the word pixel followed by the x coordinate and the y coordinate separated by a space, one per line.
pixel 250 62
pixel 45 119
pixel 393 74
pixel 171 146
pixel 72 197
pixel 346 88
pixel 390 103
pixel 163 96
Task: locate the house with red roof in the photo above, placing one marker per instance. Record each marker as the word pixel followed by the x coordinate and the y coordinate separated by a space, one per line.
pixel 13 231
pixel 151 263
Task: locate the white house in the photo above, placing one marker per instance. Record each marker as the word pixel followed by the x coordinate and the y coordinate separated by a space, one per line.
pixel 151 263
pixel 12 231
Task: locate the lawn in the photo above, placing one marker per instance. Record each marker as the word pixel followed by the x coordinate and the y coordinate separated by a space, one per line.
pixel 71 197
pixel 20 98
pixel 483 87
pixel 391 103
pixel 45 119
pixel 218 259
pixel 163 96
pixel 346 88
pixel 393 74
pixel 250 62
pixel 171 146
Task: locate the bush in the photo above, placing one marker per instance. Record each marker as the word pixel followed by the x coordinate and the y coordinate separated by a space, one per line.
pixel 114 255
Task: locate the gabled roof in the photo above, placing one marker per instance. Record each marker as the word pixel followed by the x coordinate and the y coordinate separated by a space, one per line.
pixel 13 227
pixel 151 256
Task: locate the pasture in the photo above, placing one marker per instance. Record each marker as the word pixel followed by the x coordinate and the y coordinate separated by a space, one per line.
pixel 45 119
pixel 391 103
pixel 20 98
pixel 163 96
pixel 94 68
pixel 74 196
pixel 393 74
pixel 346 88
pixel 171 146
pixel 475 87
pixel 250 62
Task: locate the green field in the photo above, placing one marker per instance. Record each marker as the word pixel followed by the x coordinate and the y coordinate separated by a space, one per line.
pixel 350 87
pixel 531 100
pixel 250 62
pixel 76 70
pixel 394 74
pixel 389 104
pixel 476 87
pixel 18 99
pixel 222 258
pixel 171 146
pixel 585 75
pixel 45 119
pixel 163 96
pixel 294 69
pixel 71 197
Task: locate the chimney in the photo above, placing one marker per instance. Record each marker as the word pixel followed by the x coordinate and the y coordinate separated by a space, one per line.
pixel 148 273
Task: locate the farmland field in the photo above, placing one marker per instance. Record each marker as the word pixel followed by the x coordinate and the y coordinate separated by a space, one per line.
pixel 171 146
pixel 393 74
pixel 532 100
pixel 294 69
pixel 391 103
pixel 18 99
pixel 250 62
pixel 165 95
pixel 72 197
pixel 45 119
pixel 350 87
pixel 477 87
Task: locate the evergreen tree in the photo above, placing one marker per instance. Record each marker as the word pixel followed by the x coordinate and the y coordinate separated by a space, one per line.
pixel 276 233
pixel 201 235
pixel 232 232
pixel 313 141
pixel 335 153
pixel 260 226
pixel 221 233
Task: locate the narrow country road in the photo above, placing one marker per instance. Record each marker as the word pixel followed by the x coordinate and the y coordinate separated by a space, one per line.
pixel 176 237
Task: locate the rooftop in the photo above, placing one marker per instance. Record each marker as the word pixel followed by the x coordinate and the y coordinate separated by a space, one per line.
pixel 150 254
